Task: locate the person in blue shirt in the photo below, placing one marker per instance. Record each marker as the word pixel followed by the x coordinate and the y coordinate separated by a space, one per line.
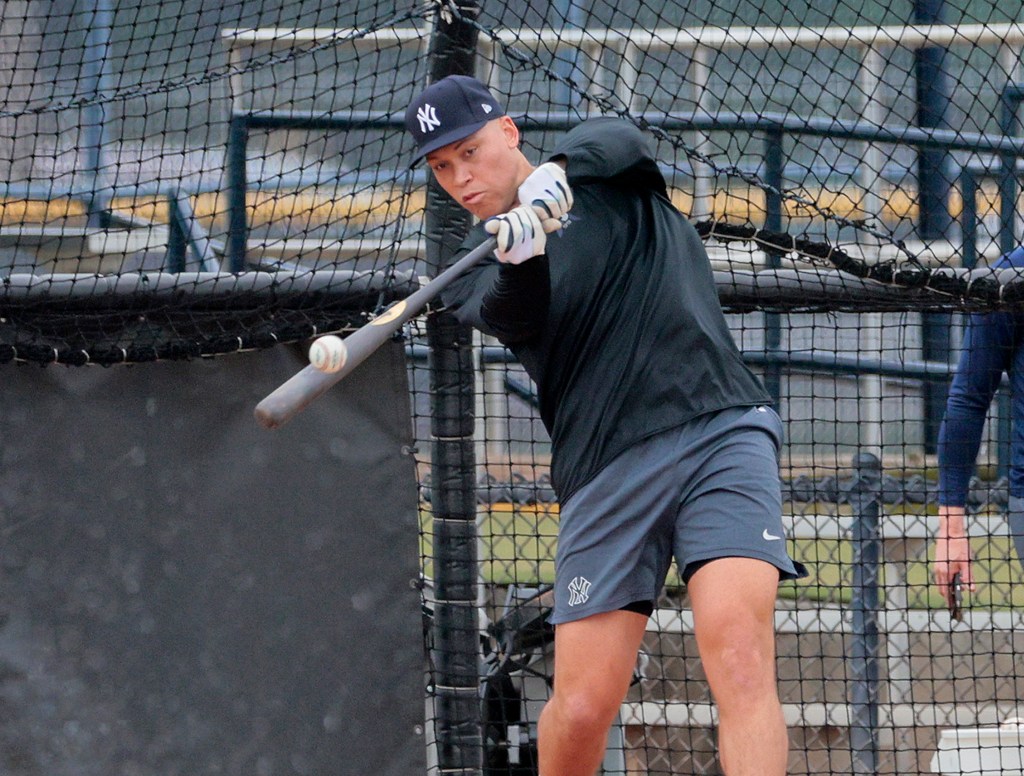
pixel 993 346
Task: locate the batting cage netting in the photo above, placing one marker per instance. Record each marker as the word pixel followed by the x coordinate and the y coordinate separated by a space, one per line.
pixel 189 179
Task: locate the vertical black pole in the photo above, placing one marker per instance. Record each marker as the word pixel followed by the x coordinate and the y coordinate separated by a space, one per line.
pixel 238 229
pixel 456 642
pixel 935 346
pixel 93 83
pixel 1008 124
pixel 969 219
pixel 567 15
pixel 933 98
pixel 176 238
pixel 933 181
pixel 865 497
pixel 773 173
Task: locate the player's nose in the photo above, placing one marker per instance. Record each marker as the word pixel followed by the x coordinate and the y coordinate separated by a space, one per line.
pixel 463 174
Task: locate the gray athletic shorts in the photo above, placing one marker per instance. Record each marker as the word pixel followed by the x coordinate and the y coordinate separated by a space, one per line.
pixel 1015 517
pixel 707 489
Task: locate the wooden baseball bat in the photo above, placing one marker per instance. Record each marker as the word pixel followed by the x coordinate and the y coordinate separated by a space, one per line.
pixel 309 383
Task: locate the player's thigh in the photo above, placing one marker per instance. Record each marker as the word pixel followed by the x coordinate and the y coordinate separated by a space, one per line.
pixel 595 656
pixel 734 594
pixel 733 602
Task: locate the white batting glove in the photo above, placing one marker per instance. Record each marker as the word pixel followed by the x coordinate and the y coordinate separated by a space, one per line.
pixel 548 191
pixel 520 234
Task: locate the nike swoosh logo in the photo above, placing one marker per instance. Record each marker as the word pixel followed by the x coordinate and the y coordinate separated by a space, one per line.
pixel 769 537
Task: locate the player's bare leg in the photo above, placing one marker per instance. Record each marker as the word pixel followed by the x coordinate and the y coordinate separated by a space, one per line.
pixel 733 602
pixel 594 662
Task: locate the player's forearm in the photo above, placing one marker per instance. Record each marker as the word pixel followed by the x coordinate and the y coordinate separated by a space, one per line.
pixel 987 342
pixel 958 445
pixel 516 306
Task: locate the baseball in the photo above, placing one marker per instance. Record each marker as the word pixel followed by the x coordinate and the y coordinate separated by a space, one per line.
pixel 328 354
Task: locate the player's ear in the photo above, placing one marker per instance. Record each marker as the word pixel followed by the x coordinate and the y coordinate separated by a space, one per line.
pixel 510 130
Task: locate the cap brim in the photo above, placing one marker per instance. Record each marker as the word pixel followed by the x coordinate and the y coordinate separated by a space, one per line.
pixel 449 137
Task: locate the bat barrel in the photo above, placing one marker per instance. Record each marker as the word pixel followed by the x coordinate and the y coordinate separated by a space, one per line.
pixel 294 395
pixel 309 384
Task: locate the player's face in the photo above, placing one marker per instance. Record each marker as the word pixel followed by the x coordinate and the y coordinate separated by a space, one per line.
pixel 483 171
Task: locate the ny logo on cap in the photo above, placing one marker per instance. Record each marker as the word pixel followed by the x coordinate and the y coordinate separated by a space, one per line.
pixel 427 117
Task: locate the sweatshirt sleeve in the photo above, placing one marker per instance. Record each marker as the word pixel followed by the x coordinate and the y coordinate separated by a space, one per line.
pixel 987 352
pixel 507 301
pixel 607 148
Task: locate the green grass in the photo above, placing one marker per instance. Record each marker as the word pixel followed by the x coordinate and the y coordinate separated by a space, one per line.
pixel 996 568
pixel 518 547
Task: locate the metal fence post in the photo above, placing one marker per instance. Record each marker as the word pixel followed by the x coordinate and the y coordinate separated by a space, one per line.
pixel 94 83
pixel 968 218
pixel 933 106
pixel 864 497
pixel 456 647
pixel 1010 100
pixel 238 229
pixel 177 240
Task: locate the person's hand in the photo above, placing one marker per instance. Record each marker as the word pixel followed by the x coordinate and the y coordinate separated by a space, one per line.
pixel 520 234
pixel 548 191
pixel 952 552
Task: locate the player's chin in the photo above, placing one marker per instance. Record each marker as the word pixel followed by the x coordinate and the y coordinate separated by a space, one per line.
pixel 485 207
pixel 481 211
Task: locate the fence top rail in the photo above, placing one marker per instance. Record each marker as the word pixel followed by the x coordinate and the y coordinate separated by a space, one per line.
pixel 832 127
pixel 686 38
pixel 912 36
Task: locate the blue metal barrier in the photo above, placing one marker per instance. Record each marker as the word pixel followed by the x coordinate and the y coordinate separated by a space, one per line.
pixel 775 127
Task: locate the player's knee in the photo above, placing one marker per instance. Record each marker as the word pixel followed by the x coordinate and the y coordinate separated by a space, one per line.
pixel 588 711
pixel 741 670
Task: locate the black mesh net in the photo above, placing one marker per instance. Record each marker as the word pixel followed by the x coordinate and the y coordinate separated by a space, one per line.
pixel 186 179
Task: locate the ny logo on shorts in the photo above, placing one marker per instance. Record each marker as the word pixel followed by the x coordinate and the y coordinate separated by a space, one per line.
pixel 579 591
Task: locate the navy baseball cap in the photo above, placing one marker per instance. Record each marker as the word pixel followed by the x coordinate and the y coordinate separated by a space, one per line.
pixel 447 111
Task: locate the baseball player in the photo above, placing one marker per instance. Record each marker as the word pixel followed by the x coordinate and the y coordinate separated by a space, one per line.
pixel 663 442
